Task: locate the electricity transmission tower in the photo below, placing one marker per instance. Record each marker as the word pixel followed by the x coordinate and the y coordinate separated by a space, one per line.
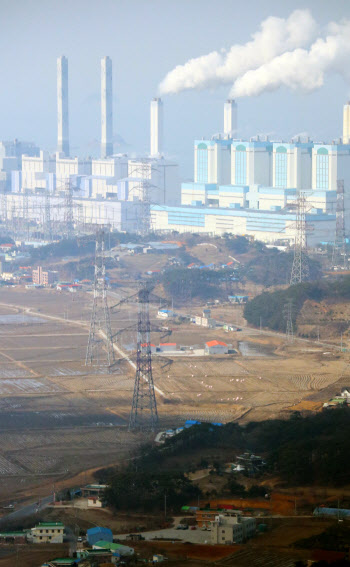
pixel 68 210
pixel 47 217
pixel 100 343
pixel 288 311
pixel 144 412
pixel 4 212
pixel 300 267
pixel 339 256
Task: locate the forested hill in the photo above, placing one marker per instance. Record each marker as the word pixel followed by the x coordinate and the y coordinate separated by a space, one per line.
pixel 269 307
pixel 311 450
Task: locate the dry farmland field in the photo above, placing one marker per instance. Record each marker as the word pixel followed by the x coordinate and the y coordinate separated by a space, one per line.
pixel 59 417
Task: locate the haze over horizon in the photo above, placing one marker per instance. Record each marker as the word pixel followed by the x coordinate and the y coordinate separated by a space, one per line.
pixel 146 40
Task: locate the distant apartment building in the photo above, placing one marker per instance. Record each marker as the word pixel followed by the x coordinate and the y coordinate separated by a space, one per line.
pixel 42 277
pixel 232 529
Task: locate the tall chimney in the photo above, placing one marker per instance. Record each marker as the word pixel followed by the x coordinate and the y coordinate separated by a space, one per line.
pixel 230 118
pixel 156 127
pixel 346 123
pixel 106 107
pixel 62 106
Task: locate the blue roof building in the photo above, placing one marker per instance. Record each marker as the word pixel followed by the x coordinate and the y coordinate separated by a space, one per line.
pixel 97 534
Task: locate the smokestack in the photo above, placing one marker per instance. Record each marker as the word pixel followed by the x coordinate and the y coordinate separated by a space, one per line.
pixel 62 106
pixel 156 127
pixel 106 108
pixel 346 123
pixel 230 118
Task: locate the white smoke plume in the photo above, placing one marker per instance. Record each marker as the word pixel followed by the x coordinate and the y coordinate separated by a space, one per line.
pixel 300 69
pixel 275 37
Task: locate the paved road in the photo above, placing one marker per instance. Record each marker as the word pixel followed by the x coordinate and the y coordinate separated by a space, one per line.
pixel 26 511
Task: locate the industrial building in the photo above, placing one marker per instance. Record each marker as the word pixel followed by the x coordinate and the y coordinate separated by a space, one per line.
pixel 107 190
pixel 242 187
pixel 266 226
pixel 250 187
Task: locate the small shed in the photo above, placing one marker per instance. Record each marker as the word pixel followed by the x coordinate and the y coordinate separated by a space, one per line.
pixel 144 347
pixel 97 534
pixel 167 347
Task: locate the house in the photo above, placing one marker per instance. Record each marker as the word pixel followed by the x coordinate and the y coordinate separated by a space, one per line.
pixel 47 532
pixel 94 502
pixel 93 489
pixel 165 313
pixel 14 537
pixel 238 298
pixel 232 529
pixel 99 534
pixel 122 550
pixel 215 347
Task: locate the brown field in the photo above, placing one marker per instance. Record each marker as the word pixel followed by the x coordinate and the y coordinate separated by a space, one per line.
pixel 59 417
pixel 31 555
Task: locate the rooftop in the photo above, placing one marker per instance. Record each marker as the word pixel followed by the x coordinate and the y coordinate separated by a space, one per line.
pixel 50 525
pixel 215 343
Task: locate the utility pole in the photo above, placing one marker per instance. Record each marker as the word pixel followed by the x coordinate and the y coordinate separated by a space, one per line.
pixel 300 268
pixel 339 255
pixel 144 414
pixel 288 310
pixel 100 323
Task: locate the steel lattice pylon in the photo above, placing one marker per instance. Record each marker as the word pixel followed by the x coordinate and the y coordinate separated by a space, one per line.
pixel 4 212
pixel 339 256
pixel 300 268
pixel 100 344
pixel 144 414
pixel 68 210
pixel 47 217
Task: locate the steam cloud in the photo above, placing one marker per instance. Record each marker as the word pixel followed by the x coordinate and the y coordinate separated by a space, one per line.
pixel 284 52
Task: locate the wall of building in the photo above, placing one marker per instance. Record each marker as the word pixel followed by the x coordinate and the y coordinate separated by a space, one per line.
pixel 262 225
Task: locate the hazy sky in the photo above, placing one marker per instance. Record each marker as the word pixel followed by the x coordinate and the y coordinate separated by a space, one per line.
pixel 146 39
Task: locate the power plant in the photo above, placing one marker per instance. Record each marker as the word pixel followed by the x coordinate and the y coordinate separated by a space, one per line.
pixel 240 186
